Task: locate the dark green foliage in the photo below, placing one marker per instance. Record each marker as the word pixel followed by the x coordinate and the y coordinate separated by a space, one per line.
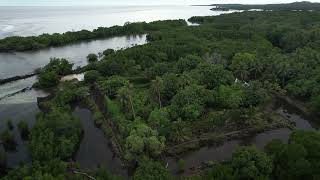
pixel 230 96
pixel 91 58
pixel 220 172
pixel 23 129
pixel 50 75
pixel 112 85
pixel 48 79
pixel 246 163
pixel 143 140
pixel 17 43
pixel 10 125
pixel 104 174
pixel 8 141
pixel 212 76
pixel 108 52
pixel 52 170
pixel 249 163
pixel 3 161
pixel 159 120
pixel 98 119
pixel 254 94
pixel 181 165
pixel 55 135
pixel 315 103
pixel 299 159
pixel 152 170
pixel 187 63
pixel 303 5
pixel 188 84
pixel 189 103
pixel 91 76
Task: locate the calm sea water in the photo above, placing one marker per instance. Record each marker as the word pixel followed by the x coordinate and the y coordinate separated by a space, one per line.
pixel 25 21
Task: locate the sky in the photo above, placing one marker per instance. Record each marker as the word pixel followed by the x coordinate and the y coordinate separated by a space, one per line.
pixel 132 2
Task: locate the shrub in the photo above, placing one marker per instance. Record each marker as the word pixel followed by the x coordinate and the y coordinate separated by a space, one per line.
pixel 181 165
pixel 10 125
pixel 108 52
pixel 3 161
pixel 8 141
pixel 98 118
pixel 92 58
pixel 23 129
pixel 91 76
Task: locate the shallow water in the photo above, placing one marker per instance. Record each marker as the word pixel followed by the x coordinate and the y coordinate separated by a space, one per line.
pixel 19 63
pixel 16 104
pixel 26 21
pixel 94 149
pixel 16 113
pixel 224 152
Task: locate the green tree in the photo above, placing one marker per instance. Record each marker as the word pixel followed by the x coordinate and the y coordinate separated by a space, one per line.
pixel 54 136
pixel 242 64
pixel 249 163
pixel 181 165
pixel 3 161
pixel 112 85
pixel 48 79
pixel 8 140
pixel 212 76
pixel 143 141
pixel 91 58
pixel 108 52
pixel 151 170
pixel 187 63
pixel 125 98
pixel 156 89
pixel 159 120
pixel 9 124
pixel 23 129
pixel 230 96
pixel 91 76
pixel 189 103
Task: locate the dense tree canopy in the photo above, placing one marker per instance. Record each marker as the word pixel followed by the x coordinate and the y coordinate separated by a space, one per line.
pixel 189 85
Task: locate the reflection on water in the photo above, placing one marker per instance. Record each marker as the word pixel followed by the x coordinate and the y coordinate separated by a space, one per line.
pixel 16 113
pixel 28 21
pixel 224 152
pixel 13 64
pixel 94 149
pixel 20 92
pixel 18 99
pixel 290 112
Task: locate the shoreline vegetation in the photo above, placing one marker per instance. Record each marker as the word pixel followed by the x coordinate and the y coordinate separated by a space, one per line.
pixel 295 6
pixel 190 86
pixel 32 43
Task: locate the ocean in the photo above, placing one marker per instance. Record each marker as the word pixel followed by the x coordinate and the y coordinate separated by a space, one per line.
pixel 30 20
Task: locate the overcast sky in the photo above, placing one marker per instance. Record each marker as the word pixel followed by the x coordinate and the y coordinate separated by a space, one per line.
pixel 132 2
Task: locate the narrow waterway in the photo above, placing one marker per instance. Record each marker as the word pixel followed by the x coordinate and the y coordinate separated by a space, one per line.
pixel 19 63
pixel 224 152
pixel 18 101
pixel 16 113
pixel 94 150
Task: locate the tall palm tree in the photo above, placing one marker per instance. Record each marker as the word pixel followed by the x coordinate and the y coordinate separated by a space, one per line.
pixel 156 87
pixel 125 98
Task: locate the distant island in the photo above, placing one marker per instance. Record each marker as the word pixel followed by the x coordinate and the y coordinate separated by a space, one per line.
pixel 304 5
